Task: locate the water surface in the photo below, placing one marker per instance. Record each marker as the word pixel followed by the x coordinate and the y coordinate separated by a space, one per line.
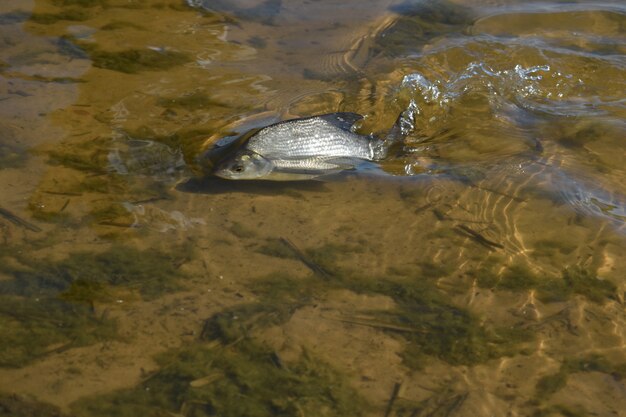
pixel 478 270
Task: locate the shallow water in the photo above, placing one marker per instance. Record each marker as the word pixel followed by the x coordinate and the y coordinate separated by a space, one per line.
pixel 478 270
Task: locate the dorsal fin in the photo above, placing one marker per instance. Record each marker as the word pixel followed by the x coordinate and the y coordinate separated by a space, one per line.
pixel 343 120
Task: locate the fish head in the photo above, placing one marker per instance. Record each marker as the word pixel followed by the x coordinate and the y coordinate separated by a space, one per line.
pixel 244 165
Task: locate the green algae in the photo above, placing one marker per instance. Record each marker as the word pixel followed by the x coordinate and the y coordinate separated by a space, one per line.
pixel 39 212
pixel 69 14
pixel 47 306
pixel 106 184
pixel 71 10
pixel 132 61
pixel 420 22
pixel 239 322
pixel 97 175
pixel 279 296
pixel 12 405
pixel 292 293
pixel 583 136
pixel 36 327
pixel 58 80
pixel 113 212
pixel 121 24
pixel 151 272
pixel 226 373
pixel 197 100
pixel 435 270
pixel 573 280
pixel 551 384
pixel 516 277
pixel 329 254
pixel 434 327
pixel 242 379
pixel 275 248
pixel 89 156
pixel 80 3
pixel 442 403
pixel 561 410
pixel 598 363
pixel 431 325
pixel 582 281
pixel 553 247
pixel 87 292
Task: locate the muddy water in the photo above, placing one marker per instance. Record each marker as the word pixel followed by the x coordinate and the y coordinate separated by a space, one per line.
pixel 479 270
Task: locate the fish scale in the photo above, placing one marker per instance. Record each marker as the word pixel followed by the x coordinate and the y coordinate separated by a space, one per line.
pixel 310 137
pixel 313 163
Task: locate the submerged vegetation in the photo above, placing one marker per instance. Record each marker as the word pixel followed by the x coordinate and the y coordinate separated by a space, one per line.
pixel 132 61
pixel 48 306
pixel 47 325
pixel 90 156
pixel 431 325
pixel 103 167
pixel 241 379
pixel 70 14
pixel 12 405
pixel 227 373
pixel 151 272
pixel 197 100
pixel 549 385
pixel 574 280
pixel 81 10
pixel 435 327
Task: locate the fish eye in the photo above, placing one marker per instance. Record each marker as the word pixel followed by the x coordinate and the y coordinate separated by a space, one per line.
pixel 238 168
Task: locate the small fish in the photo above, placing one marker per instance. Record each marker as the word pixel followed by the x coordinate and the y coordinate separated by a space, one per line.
pixel 305 148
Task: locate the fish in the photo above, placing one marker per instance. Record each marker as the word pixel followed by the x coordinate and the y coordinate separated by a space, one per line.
pixel 305 148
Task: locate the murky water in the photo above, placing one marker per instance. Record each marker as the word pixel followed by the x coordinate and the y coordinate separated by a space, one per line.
pixel 479 270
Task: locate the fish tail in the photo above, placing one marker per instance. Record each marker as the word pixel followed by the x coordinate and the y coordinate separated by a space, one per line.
pixel 404 124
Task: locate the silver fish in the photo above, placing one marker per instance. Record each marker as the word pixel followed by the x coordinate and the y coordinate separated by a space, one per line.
pixel 305 148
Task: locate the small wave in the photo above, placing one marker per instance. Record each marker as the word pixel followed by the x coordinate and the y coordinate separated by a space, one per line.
pixel 515 103
pixel 590 199
pixel 520 85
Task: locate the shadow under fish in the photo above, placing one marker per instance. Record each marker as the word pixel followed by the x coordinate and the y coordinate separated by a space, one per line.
pixel 304 148
pixel 216 185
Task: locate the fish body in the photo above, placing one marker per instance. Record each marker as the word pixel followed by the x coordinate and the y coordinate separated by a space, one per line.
pixel 302 148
